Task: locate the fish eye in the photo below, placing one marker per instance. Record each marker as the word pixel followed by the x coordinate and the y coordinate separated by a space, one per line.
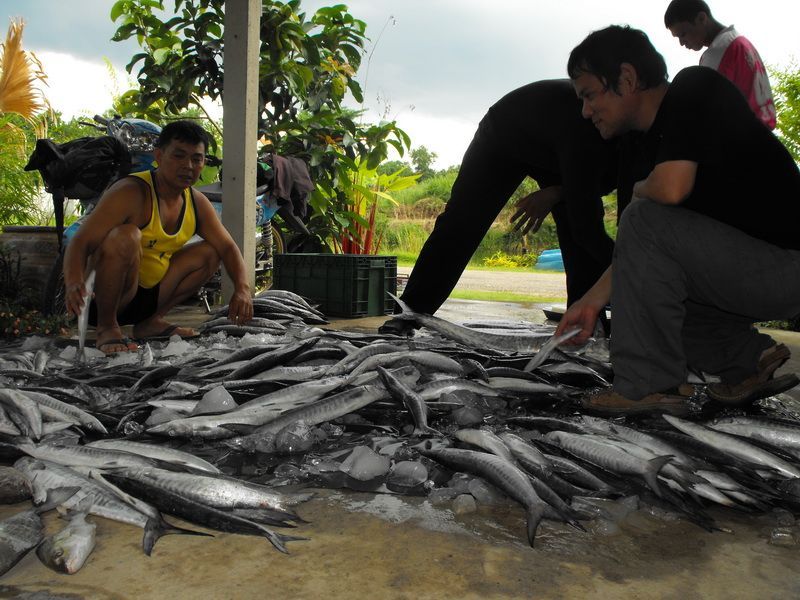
pixel 59 553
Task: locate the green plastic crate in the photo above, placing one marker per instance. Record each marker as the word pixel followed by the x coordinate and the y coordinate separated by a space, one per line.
pixel 344 285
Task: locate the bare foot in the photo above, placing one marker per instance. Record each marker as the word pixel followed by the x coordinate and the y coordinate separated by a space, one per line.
pixel 111 341
pixel 159 327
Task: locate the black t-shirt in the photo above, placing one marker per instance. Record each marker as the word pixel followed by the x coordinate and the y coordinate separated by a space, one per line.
pixel 745 176
pixel 540 126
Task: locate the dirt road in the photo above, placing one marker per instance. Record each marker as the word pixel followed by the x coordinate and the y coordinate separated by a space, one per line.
pixel 551 285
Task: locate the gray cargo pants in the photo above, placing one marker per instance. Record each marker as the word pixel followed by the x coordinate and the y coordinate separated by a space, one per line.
pixel 686 290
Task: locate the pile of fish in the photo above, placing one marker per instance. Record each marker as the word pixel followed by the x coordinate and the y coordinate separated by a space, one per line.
pixel 230 431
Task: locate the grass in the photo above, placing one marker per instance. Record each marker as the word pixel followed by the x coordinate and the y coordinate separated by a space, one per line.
pixel 462 294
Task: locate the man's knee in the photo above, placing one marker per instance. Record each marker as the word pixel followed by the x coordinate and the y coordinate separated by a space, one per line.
pixel 122 244
pixel 643 217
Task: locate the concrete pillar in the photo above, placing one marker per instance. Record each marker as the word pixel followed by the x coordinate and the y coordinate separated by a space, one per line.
pixel 240 122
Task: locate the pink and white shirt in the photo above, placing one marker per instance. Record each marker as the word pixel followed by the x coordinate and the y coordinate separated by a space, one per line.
pixel 736 58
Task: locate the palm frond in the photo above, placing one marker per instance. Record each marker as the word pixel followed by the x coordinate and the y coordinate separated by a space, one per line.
pixel 20 71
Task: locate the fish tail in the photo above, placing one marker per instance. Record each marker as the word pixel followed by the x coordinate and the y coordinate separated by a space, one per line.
pixel 535 513
pixel 278 540
pixel 408 312
pixel 654 466
pixel 156 528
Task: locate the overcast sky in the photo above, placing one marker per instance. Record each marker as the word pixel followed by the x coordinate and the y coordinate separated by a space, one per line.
pixel 435 66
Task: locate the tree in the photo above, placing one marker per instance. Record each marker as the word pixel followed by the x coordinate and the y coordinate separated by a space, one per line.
pixel 392 166
pixel 307 65
pixel 423 159
pixel 787 104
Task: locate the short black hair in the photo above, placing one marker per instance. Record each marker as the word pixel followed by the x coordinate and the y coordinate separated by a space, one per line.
pixel 603 52
pixel 184 131
pixel 684 11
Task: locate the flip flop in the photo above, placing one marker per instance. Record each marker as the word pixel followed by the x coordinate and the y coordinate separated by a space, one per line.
pixel 118 342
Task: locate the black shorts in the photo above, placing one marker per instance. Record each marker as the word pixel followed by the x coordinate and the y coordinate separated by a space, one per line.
pixel 143 305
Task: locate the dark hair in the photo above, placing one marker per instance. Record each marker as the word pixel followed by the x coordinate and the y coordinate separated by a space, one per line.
pixel 184 131
pixel 684 11
pixel 603 52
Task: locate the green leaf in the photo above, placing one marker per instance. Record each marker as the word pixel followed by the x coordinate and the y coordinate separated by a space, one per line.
pixel 117 9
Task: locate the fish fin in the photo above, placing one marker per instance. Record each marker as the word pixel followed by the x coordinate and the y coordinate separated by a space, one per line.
pixel 535 513
pixel 57 496
pixel 239 428
pixel 156 528
pixel 654 465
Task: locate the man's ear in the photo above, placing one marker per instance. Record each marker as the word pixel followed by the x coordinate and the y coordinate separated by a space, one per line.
pixel 701 19
pixel 628 79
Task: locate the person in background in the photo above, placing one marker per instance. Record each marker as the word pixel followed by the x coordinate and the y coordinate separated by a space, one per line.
pixel 728 52
pixel 707 247
pixel 534 131
pixel 136 241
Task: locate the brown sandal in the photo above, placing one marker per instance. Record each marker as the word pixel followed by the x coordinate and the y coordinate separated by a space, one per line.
pixel 759 385
pixel 610 402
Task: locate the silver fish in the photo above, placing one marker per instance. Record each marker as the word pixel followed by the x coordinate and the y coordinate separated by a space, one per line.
pixel 735 446
pixel 506 343
pixel 610 457
pixel 83 317
pixel 499 472
pixel 67 550
pixel 412 401
pixel 161 453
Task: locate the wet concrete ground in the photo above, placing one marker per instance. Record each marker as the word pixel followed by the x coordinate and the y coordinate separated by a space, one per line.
pixel 387 546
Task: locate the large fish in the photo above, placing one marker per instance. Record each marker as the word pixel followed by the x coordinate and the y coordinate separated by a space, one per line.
pixel 735 446
pixel 499 472
pixel 45 476
pixel 506 343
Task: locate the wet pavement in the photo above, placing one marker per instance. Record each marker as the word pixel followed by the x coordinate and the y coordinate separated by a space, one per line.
pixel 365 545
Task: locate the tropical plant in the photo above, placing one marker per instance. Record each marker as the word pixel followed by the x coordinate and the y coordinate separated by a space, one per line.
pixel 787 104
pixel 357 232
pixel 423 160
pixel 21 122
pixel 307 65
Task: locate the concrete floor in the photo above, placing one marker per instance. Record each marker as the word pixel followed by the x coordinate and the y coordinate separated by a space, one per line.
pixel 386 546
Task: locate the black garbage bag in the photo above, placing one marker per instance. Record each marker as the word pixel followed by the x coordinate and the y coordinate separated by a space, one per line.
pixel 80 169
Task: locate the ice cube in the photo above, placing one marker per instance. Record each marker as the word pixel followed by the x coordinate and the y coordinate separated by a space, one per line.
pixel 408 473
pixel 484 493
pixel 363 464
pixel 464 504
pixel 295 437
pixel 215 401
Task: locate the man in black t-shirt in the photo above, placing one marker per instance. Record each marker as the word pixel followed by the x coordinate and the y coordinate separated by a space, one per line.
pixel 708 244
pixel 535 131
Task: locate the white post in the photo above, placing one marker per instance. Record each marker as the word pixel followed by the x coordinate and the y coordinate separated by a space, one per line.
pixel 240 122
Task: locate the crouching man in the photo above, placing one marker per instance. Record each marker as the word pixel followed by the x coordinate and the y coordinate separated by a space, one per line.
pixel 135 240
pixel 707 247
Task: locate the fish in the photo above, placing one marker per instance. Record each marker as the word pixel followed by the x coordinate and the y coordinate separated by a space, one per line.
pixel 610 457
pixel 14 486
pixel 83 317
pixel 81 417
pixel 45 476
pixel 505 343
pixel 176 504
pixel 157 452
pixel 412 401
pixel 23 412
pixel 22 532
pixel 67 550
pixel 735 446
pixel 499 472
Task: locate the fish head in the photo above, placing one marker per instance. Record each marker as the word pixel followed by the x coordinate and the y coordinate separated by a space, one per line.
pixel 170 429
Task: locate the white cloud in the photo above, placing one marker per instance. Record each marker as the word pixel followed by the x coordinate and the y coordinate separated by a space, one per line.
pixel 78 87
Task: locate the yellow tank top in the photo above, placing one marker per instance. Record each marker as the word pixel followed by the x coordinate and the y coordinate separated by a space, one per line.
pixel 157 245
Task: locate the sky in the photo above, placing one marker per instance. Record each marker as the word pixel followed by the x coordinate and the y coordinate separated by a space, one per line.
pixel 434 66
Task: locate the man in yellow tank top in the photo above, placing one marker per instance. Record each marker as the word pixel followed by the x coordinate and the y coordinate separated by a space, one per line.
pixel 136 238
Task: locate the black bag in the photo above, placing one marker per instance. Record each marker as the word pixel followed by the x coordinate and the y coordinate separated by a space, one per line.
pixel 80 169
